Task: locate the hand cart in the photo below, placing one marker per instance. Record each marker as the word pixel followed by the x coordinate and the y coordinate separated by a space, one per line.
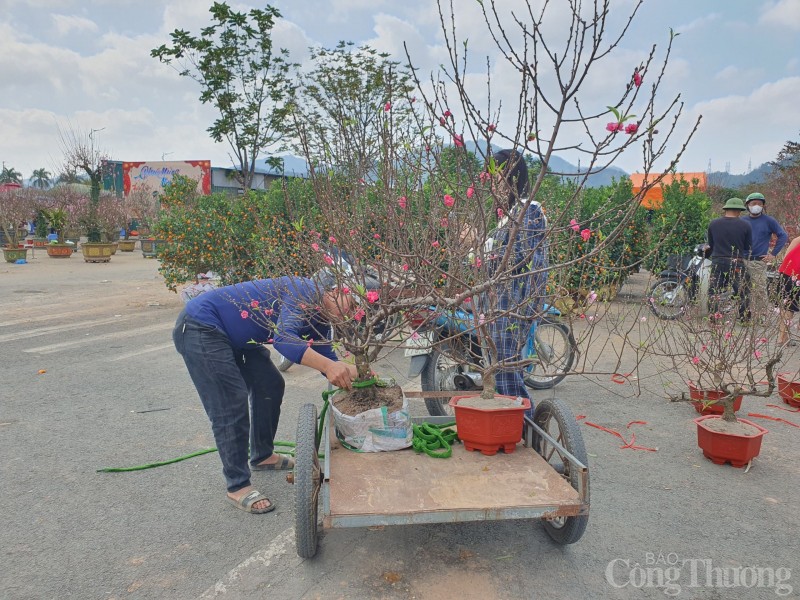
pixel 546 477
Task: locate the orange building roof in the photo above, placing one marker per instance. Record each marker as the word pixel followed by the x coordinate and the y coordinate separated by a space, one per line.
pixel 655 195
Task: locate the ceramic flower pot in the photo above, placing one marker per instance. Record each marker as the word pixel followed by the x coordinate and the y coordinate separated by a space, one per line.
pixel 489 429
pixel 720 447
pixel 789 391
pixel 96 252
pixel 59 250
pixel 127 245
pixel 12 255
pixel 705 401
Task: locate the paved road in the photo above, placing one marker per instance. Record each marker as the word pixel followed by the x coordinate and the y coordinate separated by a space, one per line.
pixel 115 393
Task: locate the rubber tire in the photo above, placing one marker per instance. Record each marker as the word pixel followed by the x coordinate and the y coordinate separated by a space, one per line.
pixel 572 440
pixel 281 361
pixel 573 352
pixel 437 407
pixel 655 309
pixel 307 483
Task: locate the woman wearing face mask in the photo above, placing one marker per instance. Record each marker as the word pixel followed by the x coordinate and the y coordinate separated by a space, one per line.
pixel 764 227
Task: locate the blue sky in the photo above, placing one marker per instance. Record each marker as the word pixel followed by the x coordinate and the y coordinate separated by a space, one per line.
pixel 86 63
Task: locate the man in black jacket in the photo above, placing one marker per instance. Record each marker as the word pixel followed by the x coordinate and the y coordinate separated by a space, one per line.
pixel 731 241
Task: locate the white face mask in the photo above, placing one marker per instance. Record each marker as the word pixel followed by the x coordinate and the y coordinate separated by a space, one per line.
pixel 755 209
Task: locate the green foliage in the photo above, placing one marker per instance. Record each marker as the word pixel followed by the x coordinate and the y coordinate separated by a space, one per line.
pixel 680 223
pixel 616 232
pixel 240 74
pixel 238 237
pixel 10 175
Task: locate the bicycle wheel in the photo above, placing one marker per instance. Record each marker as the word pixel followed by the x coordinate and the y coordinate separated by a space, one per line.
pixel 556 419
pixel 554 350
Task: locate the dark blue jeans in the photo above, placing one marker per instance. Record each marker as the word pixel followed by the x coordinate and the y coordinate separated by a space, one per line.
pixel 241 391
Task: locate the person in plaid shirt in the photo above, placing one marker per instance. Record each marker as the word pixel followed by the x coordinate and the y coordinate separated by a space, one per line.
pixel 518 299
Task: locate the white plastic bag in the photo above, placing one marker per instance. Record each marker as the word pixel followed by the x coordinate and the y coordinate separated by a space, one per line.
pixel 375 430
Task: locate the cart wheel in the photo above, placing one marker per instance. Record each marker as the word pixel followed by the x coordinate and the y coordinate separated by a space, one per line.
pixel 555 417
pixel 307 482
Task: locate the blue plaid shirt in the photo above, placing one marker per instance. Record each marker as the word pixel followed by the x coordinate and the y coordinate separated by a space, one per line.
pixel 522 294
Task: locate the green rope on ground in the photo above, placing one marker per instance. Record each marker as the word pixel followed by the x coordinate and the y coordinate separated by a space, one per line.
pixel 434 440
pixel 325 395
pixel 153 465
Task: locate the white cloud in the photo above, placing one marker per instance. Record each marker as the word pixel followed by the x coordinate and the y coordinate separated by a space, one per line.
pixel 755 118
pixel 784 13
pixel 698 23
pixel 65 24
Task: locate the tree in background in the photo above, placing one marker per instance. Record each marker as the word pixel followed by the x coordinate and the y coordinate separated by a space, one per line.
pixel 241 74
pixel 41 178
pixel 343 108
pixel 10 175
pixel 82 154
pixel 782 188
pixel 680 223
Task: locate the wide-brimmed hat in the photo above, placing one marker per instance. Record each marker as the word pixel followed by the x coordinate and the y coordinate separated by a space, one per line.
pixel 734 204
pixel 755 196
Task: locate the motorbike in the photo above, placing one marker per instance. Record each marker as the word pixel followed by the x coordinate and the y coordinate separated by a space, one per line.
pixel 550 346
pixel 686 279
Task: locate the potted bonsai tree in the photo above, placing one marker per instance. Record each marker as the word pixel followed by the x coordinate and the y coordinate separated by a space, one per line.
pixel 723 360
pixel 17 206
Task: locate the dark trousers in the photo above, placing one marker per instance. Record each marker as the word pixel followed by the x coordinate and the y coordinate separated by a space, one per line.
pixel 241 391
pixel 728 275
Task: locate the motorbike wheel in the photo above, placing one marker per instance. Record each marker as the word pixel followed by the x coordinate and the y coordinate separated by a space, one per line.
pixel 437 376
pixel 555 353
pixel 280 361
pixel 667 299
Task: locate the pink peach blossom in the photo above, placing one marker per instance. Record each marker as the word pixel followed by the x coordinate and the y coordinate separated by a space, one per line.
pixel 574 225
pixel 458 141
pixel 631 128
pixel 328 259
pixel 435 244
pixel 405 267
pixel 586 234
pixel 614 127
pixel 402 202
pixel 332 240
pixel 695 360
pixel 315 247
pixel 359 314
pixel 500 213
pixel 637 78
pixel 372 296
pixel 470 192
pixel 254 303
pixel 449 201
pixel 244 314
pixel 387 107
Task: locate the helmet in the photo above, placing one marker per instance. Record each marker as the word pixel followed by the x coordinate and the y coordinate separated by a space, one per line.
pixel 755 196
pixel 734 204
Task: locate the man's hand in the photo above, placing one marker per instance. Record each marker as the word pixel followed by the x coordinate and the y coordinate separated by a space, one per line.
pixel 768 258
pixel 341 375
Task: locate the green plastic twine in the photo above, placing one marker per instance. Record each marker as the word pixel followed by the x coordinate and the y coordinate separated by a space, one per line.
pixel 434 440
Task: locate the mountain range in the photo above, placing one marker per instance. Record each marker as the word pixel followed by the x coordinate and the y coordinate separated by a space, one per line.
pixel 297 166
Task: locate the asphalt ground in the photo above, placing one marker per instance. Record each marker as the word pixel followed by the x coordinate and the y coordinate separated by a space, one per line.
pixel 115 393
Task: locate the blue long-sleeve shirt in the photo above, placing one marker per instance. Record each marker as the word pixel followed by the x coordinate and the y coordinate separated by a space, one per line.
pixel 763 227
pixel 282 310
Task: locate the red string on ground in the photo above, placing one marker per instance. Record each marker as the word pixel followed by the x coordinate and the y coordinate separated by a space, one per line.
pixel 795 410
pixel 778 419
pixel 632 444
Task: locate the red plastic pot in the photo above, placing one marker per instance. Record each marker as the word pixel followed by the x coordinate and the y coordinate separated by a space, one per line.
pixel 489 429
pixel 789 391
pixel 728 447
pixel 701 398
